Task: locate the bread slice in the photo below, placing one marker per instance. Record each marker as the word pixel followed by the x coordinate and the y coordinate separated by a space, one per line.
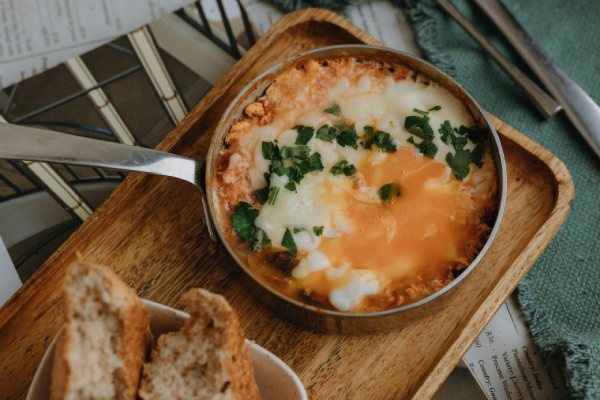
pixel 105 339
pixel 206 359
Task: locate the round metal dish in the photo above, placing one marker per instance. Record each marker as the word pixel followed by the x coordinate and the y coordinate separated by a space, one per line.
pixel 330 320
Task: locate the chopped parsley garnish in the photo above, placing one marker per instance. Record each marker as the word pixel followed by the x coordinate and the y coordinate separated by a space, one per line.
pixel 297 230
pixel 349 170
pixel 388 190
pixel 273 192
pixel 242 221
pixel 426 147
pixel 291 161
pixel 289 243
pixel 314 163
pixel 305 133
pixel 326 133
pixel 346 136
pixel 380 139
pixel 460 161
pixel 342 167
pixel 477 136
pixel 419 126
pixel 270 151
pixel 262 195
pixel 446 132
pixel 298 160
pixel 261 240
pixel 297 153
pixel 334 109
pixel 435 108
pixel 318 230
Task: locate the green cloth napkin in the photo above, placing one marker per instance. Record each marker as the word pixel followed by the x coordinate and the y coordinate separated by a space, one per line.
pixel 561 294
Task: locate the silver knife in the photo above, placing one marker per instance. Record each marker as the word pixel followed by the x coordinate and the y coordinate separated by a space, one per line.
pixel 543 102
pixel 583 112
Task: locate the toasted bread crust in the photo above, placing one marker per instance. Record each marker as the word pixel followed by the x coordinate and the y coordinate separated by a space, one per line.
pixel 134 331
pixel 239 363
pixel 211 320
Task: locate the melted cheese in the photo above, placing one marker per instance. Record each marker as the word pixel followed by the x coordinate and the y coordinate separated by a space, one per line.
pixel 349 286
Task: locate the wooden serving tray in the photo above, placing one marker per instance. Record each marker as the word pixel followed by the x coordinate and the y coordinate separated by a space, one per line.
pixel 150 232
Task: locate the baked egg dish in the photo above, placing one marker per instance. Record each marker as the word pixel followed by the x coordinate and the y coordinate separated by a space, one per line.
pixel 356 185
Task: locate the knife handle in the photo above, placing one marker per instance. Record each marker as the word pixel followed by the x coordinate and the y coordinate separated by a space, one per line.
pixel 583 112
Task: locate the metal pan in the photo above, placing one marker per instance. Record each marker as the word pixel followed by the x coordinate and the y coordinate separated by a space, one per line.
pixel 324 319
pixel 23 143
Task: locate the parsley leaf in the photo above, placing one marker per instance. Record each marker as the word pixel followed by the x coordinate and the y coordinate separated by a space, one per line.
pixel 297 153
pixel 347 136
pixel 318 230
pixel 388 190
pixel 380 139
pixel 296 230
pixel 477 154
pixel 273 192
pixel 326 133
pixel 385 192
pixel 342 167
pixel 242 221
pixel 270 151
pixel 291 186
pixel 435 108
pixel 426 147
pixel 301 162
pixel 419 125
pixel 262 195
pixel 289 243
pixel 261 240
pixel 459 163
pixel 294 174
pixel 314 162
pixel 305 133
pixel 334 109
pixel 338 168
pixel 477 136
pixel 474 133
pixel 446 132
pixel 349 170
pixel 278 168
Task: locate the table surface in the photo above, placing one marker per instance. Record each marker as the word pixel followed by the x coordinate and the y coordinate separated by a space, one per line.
pixel 148 233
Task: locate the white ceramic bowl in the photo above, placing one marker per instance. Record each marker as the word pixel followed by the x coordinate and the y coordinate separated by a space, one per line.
pixel 276 381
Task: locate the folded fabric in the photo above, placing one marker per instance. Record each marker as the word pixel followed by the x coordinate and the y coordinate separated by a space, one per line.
pixel 561 294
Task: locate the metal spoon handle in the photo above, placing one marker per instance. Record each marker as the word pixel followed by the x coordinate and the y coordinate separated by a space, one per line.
pixel 583 112
pixel 543 102
pixel 24 143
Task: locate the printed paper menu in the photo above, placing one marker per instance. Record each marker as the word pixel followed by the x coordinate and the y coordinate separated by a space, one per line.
pixel 38 34
pixel 508 365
